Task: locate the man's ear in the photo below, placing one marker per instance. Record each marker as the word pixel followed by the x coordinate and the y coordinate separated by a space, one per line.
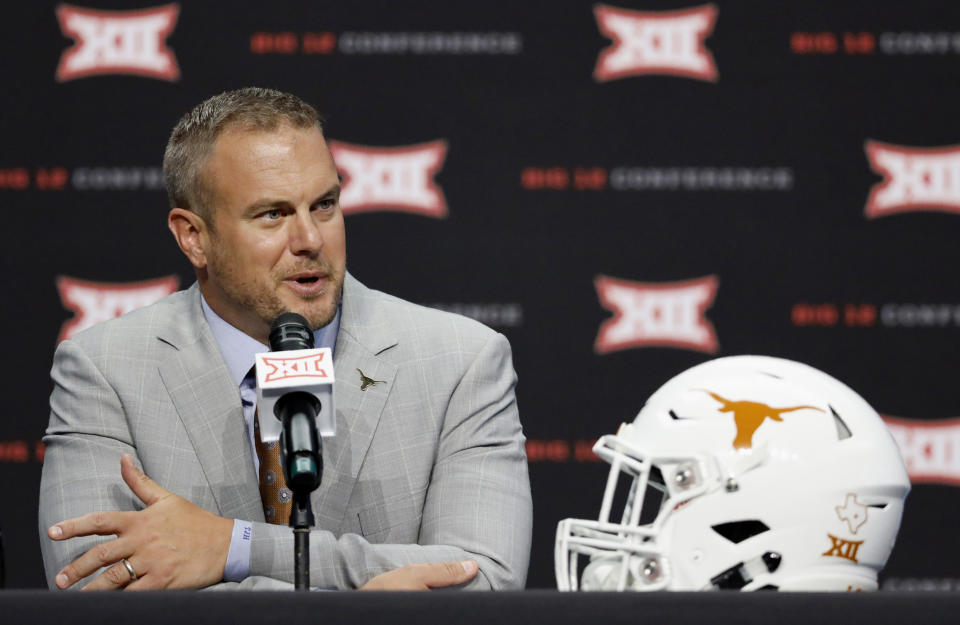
pixel 191 233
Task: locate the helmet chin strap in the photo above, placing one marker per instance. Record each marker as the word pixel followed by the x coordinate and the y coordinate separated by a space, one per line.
pixel 741 574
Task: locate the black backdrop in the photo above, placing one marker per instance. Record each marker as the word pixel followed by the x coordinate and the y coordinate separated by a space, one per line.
pixel 553 176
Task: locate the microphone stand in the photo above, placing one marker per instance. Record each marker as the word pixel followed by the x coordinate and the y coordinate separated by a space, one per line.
pixel 303 467
pixel 299 443
pixel 301 520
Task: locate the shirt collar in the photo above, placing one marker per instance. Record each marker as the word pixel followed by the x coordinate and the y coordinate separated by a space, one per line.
pixel 239 349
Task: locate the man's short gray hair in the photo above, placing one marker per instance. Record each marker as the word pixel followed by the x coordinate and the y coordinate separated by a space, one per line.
pixel 193 137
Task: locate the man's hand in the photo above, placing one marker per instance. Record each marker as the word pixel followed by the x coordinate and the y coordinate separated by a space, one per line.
pixel 423 576
pixel 170 544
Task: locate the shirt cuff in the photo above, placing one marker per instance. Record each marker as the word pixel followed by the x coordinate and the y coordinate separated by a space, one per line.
pixel 238 556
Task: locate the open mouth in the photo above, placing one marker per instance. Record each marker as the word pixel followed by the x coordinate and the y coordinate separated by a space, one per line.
pixel 308 283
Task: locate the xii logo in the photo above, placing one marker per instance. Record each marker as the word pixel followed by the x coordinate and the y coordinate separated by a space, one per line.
pixel 392 179
pixel 914 179
pixel 667 314
pixel 842 548
pixel 931 449
pixel 118 42
pixel 310 366
pixel 94 302
pixel 656 42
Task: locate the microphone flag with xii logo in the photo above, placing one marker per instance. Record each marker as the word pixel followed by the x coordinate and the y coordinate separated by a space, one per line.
pixel 306 370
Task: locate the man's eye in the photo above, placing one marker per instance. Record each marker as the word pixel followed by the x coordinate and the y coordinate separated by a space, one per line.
pixel 326 204
pixel 273 214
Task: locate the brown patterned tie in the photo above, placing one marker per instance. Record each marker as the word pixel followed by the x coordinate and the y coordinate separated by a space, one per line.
pixel 277 499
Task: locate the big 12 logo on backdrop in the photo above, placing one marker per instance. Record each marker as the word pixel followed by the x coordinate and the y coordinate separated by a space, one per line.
pixel 656 42
pixel 391 179
pixel 914 179
pixel 656 314
pixel 93 302
pixel 930 449
pixel 118 42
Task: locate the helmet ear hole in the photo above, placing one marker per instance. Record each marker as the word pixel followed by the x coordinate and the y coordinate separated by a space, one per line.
pixel 739 531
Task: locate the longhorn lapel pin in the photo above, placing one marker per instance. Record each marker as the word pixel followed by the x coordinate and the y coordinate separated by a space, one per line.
pixel 366 382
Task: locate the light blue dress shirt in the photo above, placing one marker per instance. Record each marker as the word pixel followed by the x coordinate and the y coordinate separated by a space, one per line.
pixel 239 351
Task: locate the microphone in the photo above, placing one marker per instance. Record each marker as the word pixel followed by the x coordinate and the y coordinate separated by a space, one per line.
pixel 295 383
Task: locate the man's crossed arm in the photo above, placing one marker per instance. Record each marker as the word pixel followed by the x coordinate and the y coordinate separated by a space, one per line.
pixel 174 544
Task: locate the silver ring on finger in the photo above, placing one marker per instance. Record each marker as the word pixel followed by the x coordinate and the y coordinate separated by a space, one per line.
pixel 129 567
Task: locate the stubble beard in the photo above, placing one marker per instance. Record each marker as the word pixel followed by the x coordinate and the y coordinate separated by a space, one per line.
pixel 318 318
pixel 251 294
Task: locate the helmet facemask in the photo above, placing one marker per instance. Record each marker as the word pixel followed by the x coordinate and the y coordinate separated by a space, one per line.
pixel 629 555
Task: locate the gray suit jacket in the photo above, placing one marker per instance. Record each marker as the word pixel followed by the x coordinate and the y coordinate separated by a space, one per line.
pixel 428 466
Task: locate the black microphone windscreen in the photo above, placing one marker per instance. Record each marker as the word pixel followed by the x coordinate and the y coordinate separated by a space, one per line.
pixel 290 331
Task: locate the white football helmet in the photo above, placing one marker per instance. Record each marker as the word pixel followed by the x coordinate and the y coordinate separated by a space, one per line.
pixel 756 473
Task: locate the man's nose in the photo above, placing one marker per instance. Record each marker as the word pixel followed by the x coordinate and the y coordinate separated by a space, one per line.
pixel 305 236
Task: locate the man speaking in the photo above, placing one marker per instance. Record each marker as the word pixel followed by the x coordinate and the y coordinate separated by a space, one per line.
pixel 427 465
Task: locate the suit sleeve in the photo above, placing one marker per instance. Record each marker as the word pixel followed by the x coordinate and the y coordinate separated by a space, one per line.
pixel 85 439
pixel 477 505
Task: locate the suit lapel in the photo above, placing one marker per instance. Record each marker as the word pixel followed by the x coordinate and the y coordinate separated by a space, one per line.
pixel 360 342
pixel 208 403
